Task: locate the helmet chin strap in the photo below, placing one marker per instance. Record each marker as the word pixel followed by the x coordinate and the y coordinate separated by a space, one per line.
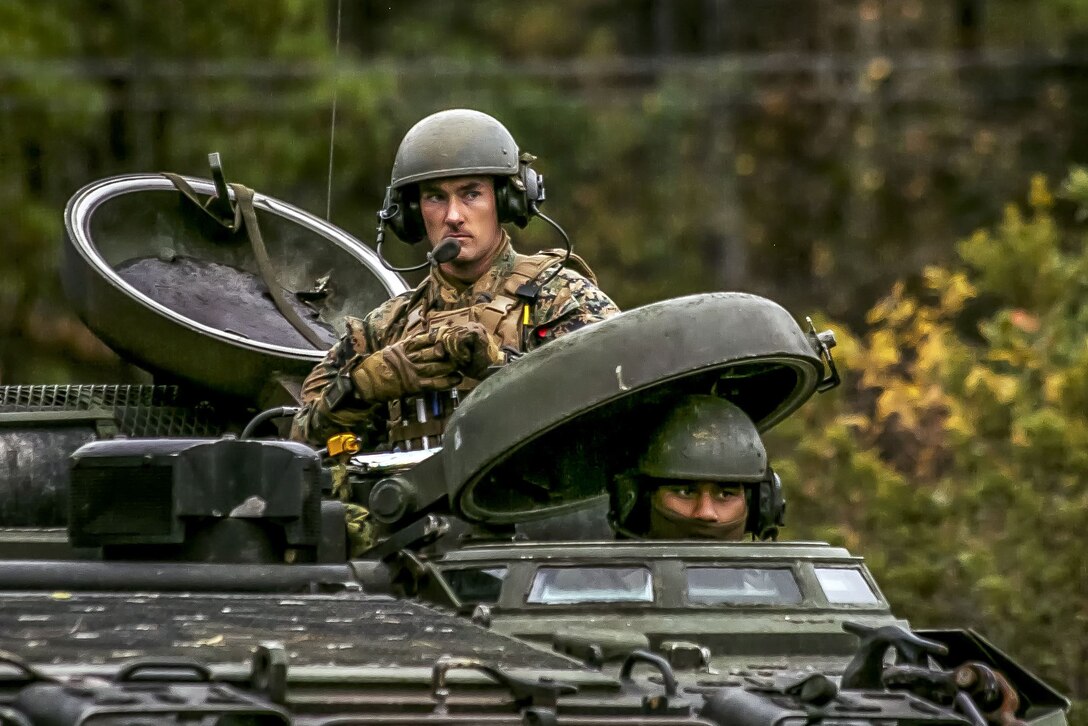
pixel 667 524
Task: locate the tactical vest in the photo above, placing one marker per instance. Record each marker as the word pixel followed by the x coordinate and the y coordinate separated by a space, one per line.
pixel 418 422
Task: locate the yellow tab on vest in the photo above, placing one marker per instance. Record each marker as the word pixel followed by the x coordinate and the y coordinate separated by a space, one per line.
pixel 343 444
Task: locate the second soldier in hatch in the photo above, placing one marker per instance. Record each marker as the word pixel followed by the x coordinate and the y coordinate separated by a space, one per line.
pixel 703 475
pixel 457 178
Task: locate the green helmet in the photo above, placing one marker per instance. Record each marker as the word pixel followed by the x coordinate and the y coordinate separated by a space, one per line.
pixel 457 142
pixel 706 438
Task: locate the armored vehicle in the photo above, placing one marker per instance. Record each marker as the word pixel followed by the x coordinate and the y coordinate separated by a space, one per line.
pixel 753 606
pixel 168 556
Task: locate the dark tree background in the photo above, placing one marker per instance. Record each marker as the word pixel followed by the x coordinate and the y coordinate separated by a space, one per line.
pixel 814 151
pixel 810 150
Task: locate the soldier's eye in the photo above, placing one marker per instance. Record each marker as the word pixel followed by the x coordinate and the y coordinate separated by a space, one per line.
pixel 682 491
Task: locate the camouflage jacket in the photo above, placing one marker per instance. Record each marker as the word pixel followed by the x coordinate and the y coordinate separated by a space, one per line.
pixel 568 302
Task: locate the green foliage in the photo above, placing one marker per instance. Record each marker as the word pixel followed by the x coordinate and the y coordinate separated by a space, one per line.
pixel 956 457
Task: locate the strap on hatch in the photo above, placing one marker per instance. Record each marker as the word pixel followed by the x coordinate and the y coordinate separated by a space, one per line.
pixel 244 214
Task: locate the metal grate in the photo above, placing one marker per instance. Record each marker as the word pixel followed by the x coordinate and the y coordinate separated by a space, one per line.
pixel 140 411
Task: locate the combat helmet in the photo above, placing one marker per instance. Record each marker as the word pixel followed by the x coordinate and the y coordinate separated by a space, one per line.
pixel 704 438
pixel 459 142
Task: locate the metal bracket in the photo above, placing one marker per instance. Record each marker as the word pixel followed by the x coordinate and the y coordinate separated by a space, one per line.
pixel 219 204
pixel 823 342
pixel 866 668
pixel 31 674
pixel 535 698
pixel 268 671
pixel 417 534
pixel 423 580
pixel 813 690
pixel 683 655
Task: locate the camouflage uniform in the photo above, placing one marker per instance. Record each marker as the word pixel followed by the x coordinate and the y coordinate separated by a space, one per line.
pixel 568 302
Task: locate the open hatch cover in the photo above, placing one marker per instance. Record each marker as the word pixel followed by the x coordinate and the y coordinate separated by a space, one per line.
pixel 544 434
pixel 155 276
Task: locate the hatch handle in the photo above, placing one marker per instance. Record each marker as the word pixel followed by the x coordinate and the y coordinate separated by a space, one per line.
pixel 130 670
pixel 662 665
pixel 528 693
pixel 867 666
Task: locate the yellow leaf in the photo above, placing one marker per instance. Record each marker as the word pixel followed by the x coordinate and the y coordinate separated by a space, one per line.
pixel 958 423
pixel 898 402
pixel 902 312
pixel 881 310
pixel 1004 388
pixel 957 291
pixel 855 420
pixel 1040 196
pixel 1054 387
pixel 935 277
pixel 973 380
pixel 932 352
pixel 883 349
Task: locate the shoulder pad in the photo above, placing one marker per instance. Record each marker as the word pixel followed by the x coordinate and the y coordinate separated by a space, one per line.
pixel 556 254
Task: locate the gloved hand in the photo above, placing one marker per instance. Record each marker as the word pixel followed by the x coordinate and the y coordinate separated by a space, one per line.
pixel 471 347
pixel 405 368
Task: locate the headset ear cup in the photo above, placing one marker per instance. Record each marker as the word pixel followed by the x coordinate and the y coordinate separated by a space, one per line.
pixel 502 199
pixel 534 186
pixel 754 495
pixel 403 215
pixel 516 198
pixel 510 202
pixel 414 228
pixel 766 508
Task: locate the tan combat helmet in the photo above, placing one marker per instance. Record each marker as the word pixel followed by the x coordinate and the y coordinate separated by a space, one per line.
pixel 459 142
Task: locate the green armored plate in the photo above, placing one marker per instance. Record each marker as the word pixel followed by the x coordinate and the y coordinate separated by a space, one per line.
pixel 169 289
pixel 545 433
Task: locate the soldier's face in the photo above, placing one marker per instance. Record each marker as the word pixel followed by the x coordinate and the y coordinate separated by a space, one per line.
pixel 705 501
pixel 462 208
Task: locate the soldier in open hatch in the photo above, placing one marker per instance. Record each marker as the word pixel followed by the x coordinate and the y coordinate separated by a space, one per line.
pixel 703 475
pixel 397 374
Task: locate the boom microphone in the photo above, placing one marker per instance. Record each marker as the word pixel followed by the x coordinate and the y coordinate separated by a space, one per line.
pixel 447 250
pixel 444 251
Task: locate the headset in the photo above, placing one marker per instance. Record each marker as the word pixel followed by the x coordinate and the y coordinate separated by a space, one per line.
pixel 766 507
pixel 517 199
pixel 630 506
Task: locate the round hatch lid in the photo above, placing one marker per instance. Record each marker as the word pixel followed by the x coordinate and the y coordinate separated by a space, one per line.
pixel 173 291
pixel 546 433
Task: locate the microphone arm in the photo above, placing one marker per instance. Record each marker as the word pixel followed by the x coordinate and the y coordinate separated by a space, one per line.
pixel 444 251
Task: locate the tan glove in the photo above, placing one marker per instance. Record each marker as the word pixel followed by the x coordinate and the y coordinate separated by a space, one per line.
pixel 471 348
pixel 406 368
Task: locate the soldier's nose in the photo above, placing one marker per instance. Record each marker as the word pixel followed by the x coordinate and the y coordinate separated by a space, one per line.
pixel 704 508
pixel 453 214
